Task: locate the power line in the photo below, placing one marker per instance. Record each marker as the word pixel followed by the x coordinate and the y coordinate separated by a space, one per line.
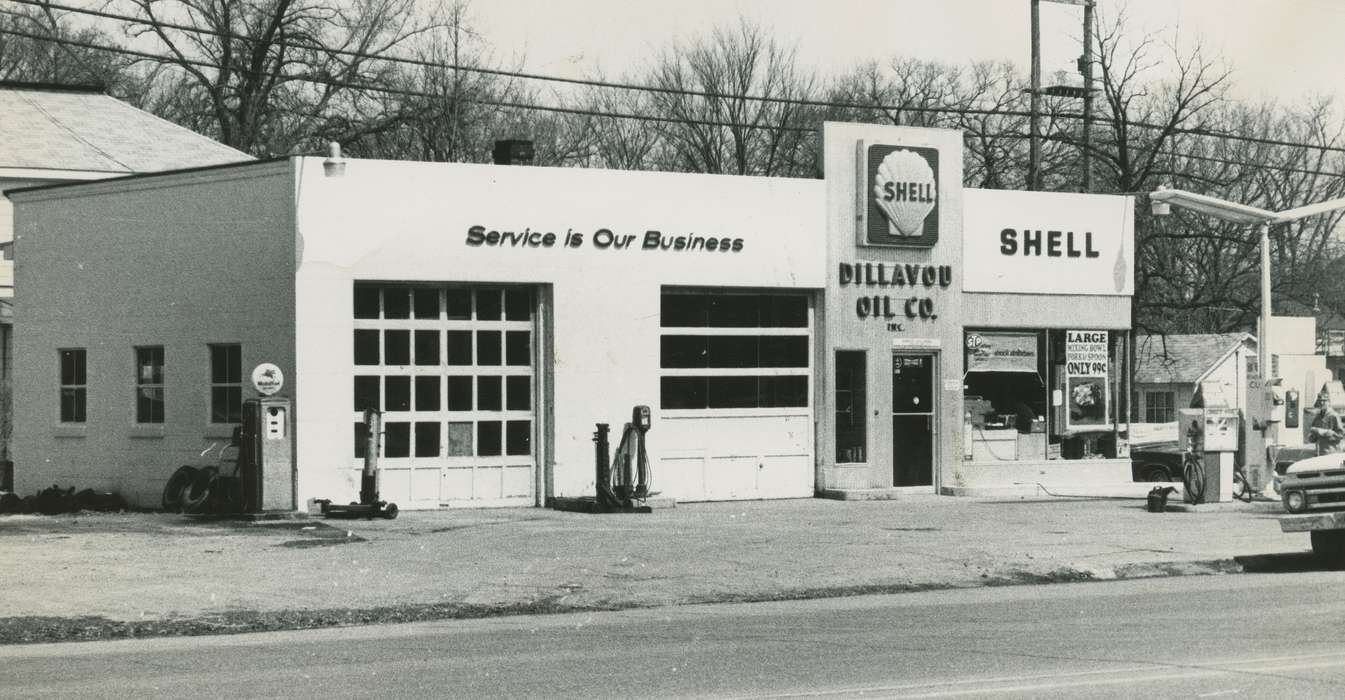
pixel 676 91
pixel 519 74
pixel 572 110
pixel 406 92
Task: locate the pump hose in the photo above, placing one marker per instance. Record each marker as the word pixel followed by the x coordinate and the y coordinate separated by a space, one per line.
pixel 618 475
pixel 642 484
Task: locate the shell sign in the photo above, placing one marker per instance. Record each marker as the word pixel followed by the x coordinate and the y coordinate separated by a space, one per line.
pixel 900 199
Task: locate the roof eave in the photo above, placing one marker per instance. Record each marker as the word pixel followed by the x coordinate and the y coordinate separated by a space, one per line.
pixel 58 174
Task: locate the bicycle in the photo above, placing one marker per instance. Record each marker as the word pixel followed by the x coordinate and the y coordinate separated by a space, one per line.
pixel 1193 477
pixel 1241 489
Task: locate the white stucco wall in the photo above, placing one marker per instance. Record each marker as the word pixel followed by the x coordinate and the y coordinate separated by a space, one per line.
pixel 398 221
pixel 179 260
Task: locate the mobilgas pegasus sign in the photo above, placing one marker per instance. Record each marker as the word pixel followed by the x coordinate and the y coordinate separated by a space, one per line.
pixel 899 196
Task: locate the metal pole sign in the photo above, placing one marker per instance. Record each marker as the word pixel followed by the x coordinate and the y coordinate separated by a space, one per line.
pixel 267 379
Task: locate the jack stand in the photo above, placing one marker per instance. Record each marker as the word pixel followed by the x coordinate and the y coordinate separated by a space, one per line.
pixel 369 506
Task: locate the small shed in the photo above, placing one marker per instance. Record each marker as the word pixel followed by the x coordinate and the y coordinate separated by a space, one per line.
pixel 1169 368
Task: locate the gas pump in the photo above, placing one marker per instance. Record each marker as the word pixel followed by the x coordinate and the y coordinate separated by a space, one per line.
pixel 623 484
pixel 1292 409
pixel 265 455
pixel 1211 431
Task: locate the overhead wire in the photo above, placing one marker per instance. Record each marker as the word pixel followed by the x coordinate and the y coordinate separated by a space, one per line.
pixel 405 92
pixel 402 91
pixel 1102 119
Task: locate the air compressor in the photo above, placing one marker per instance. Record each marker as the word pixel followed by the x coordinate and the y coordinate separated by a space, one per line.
pixel 623 483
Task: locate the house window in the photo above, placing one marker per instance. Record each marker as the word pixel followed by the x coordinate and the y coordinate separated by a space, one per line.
pixel 226 383
pixel 1159 407
pixel 734 350
pixel 149 384
pixel 74 385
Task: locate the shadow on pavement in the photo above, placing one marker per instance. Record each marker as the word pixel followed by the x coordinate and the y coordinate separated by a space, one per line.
pixel 1292 563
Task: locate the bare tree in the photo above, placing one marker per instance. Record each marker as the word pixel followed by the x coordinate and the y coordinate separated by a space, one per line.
pixel 34 52
pixel 619 142
pixel 727 132
pixel 1202 274
pixel 262 76
pixel 448 107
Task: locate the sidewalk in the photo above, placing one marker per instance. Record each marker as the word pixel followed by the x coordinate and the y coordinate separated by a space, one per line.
pixel 150 568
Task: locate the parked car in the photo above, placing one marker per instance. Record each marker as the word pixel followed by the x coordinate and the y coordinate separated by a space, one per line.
pixel 1156 462
pixel 1163 461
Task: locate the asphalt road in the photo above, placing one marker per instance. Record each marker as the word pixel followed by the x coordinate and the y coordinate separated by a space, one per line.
pixel 1251 635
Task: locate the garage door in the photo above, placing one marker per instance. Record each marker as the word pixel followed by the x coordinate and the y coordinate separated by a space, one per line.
pixel 735 393
pixel 453 370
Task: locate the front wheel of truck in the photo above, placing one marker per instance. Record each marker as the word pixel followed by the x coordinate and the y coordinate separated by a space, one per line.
pixel 1329 547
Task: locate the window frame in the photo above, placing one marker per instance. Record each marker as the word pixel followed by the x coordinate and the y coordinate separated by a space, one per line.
pixel 850 405
pixel 1170 409
pixel 711 330
pixel 80 389
pixel 142 384
pixel 216 383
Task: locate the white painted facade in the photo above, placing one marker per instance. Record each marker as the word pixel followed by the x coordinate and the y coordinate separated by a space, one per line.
pixel 267 255
pixel 599 308
pixel 276 257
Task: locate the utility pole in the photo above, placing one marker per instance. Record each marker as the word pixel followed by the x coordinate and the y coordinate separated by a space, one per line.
pixel 1034 144
pixel 453 123
pixel 1087 70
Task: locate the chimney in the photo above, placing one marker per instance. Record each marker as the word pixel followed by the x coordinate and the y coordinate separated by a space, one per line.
pixel 513 152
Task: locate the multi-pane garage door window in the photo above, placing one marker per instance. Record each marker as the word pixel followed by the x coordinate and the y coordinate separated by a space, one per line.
pixel 451 368
pixel 734 350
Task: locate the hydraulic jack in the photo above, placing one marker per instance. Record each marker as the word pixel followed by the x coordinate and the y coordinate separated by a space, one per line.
pixel 369 506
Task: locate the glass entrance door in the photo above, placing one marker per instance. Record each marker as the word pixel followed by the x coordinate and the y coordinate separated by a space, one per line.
pixel 913 419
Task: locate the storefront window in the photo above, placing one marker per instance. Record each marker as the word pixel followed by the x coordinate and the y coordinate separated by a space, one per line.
pixel 851 406
pixel 1032 395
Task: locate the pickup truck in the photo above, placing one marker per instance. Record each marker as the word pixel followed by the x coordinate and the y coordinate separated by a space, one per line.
pixel 1327 531
pixel 1317 484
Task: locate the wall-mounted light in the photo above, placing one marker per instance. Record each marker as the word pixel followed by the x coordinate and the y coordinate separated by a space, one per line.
pixel 1158 207
pixel 335 165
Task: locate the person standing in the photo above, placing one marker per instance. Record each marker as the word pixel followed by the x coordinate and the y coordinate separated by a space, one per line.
pixel 1327 430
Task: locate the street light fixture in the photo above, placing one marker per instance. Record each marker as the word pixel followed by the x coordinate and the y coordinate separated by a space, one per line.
pixel 1163 199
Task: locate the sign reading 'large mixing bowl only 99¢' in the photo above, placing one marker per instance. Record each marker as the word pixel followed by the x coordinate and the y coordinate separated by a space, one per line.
pixel 901 196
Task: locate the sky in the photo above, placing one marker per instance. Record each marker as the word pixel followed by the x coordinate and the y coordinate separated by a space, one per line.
pixel 1280 50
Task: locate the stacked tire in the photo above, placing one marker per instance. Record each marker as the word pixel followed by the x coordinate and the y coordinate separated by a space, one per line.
pixel 197 490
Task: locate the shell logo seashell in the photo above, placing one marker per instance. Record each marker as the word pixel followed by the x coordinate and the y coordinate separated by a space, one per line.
pixel 902 196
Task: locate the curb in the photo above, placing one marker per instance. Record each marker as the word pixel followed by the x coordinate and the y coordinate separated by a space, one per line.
pixel 1257 506
pixel 49 629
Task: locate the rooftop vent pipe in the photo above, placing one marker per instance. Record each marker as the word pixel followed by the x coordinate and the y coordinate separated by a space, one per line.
pixel 335 165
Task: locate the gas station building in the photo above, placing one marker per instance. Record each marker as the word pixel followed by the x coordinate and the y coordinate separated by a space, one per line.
pixel 879 332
